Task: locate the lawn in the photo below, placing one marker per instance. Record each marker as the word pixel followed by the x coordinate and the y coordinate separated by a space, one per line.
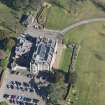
pixel 8 19
pixel 90 63
pixel 65 60
pixel 58 17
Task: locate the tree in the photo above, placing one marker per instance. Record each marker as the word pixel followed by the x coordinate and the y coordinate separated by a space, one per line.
pixel 35 3
pixel 16 4
pixel 56 92
pixel 10 43
pixel 22 4
pixel 72 78
pixel 4 34
pixel 74 5
pixel 58 76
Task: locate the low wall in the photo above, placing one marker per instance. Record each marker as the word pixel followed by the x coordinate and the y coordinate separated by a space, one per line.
pixel 72 70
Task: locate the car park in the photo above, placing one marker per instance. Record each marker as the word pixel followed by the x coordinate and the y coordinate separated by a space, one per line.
pixel 20 86
pixel 23 87
pixel 20 100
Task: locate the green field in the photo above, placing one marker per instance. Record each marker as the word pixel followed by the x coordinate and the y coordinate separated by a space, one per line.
pixel 58 17
pixel 90 64
pixel 8 19
pixel 65 61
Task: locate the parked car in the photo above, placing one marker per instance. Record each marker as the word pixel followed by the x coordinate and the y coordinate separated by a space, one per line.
pixel 18 83
pixel 22 88
pixel 25 84
pixel 19 98
pixel 9 97
pixel 10 86
pixel 35 100
pixel 21 103
pixel 29 75
pixel 6 96
pixel 27 99
pixel 31 90
pixel 13 83
pixel 26 103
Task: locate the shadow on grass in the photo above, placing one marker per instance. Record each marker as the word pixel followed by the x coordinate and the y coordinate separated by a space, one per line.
pixel 50 77
pixel 53 76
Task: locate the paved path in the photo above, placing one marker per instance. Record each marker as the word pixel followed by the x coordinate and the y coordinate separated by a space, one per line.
pixel 60 33
pixel 53 34
pixel 82 23
pixel 2 89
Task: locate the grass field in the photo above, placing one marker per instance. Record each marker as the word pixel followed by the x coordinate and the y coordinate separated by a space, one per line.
pixel 65 60
pixel 59 18
pixel 90 64
pixel 8 20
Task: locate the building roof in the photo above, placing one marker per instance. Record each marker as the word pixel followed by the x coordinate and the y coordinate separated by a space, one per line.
pixel 24 51
pixel 29 51
pixel 44 52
